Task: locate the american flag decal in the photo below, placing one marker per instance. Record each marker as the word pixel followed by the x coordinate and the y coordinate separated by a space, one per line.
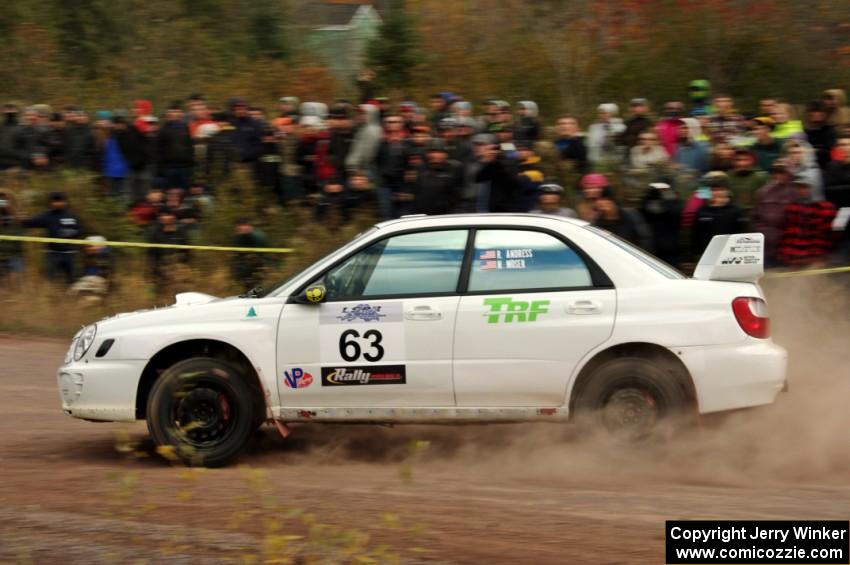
pixel 489 254
pixel 488 265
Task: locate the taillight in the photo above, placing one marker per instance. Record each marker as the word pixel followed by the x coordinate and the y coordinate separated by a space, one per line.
pixel 752 316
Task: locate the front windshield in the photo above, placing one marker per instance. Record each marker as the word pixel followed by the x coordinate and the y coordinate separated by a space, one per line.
pixel 638 253
pixel 276 287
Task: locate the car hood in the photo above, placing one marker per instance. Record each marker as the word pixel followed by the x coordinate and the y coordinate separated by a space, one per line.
pixel 187 305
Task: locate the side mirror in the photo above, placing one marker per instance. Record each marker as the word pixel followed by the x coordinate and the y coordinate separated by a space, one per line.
pixel 313 294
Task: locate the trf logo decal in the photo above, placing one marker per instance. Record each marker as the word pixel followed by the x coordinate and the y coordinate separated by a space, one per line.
pixel 514 310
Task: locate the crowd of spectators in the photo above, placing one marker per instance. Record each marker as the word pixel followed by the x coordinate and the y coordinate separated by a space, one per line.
pixel 667 182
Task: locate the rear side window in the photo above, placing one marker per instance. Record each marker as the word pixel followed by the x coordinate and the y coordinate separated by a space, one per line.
pixel 524 260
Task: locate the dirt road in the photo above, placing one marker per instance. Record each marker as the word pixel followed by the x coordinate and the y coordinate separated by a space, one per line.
pixel 78 492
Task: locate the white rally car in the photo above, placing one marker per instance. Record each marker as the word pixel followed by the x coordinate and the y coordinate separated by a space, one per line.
pixel 461 318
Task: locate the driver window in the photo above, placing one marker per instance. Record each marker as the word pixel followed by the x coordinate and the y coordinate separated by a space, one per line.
pixel 404 265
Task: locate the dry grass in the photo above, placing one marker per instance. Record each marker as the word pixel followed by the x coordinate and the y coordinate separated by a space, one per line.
pixel 35 306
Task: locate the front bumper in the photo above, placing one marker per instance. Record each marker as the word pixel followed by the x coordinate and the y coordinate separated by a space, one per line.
pixel 732 376
pixel 100 389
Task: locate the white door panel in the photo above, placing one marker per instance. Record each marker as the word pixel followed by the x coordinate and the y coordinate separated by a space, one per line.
pixel 368 353
pixel 520 349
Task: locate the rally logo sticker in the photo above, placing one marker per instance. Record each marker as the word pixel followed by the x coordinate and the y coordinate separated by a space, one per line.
pixel 508 310
pixel 297 378
pixel 364 375
pixel 360 312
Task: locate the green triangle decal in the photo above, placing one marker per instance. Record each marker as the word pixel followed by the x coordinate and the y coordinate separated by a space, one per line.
pixel 252 313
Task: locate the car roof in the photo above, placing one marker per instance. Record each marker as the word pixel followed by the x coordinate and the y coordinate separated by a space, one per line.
pixel 518 219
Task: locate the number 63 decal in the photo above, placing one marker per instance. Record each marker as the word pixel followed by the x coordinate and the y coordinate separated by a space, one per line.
pixel 350 349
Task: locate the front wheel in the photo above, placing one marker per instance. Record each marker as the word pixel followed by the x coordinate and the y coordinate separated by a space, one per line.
pixel 203 409
pixel 632 399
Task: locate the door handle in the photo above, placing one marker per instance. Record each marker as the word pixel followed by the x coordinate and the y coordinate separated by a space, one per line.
pixel 584 307
pixel 423 313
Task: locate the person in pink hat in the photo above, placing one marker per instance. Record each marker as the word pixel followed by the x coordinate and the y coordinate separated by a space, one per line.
pixel 591 189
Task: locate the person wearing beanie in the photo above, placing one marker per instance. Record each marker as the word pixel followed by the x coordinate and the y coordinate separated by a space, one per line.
pixel 591 187
pixel 603 147
pixel 838 174
pixel 718 215
pixel 638 122
pixel 30 141
pixel 570 144
pixel 438 182
pixel 79 141
pixel 341 132
pixel 175 153
pixel 800 159
pixel 668 126
pixel 745 178
pixel 699 91
pixel 691 152
pixel 115 168
pixel 247 132
pixel 807 236
pixel 496 179
pixel 142 109
pixel 768 213
pixel 835 103
pixel 8 131
pixel 366 141
pixel 623 222
pixel 530 176
pixel 59 222
pixel 549 202
pixel 767 147
pixel 527 128
pixel 661 209
pixel 819 133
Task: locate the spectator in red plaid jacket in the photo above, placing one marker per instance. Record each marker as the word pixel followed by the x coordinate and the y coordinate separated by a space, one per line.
pixel 807 236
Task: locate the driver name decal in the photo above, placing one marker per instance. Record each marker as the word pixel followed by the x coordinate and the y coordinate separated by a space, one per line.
pixel 364 375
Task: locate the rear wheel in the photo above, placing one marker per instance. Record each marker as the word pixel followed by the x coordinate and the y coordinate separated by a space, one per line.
pixel 632 399
pixel 203 409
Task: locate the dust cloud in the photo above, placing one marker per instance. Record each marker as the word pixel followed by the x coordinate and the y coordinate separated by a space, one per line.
pixel 803 438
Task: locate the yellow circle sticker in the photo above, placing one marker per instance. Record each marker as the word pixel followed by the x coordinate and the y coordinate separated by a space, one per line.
pixel 316 293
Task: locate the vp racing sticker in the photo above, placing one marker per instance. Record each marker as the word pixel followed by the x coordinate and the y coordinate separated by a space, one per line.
pixel 297 378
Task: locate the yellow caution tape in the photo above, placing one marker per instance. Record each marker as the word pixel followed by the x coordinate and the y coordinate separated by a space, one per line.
pixel 145 245
pixel 776 275
pixel 809 273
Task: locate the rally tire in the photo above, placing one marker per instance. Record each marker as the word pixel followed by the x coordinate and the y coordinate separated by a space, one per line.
pixel 202 412
pixel 631 399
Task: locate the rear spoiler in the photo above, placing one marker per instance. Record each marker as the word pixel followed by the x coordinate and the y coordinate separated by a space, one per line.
pixel 737 257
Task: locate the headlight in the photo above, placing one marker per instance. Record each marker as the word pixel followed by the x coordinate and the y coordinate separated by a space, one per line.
pixel 85 341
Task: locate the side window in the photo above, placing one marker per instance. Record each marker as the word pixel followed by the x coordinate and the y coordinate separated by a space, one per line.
pixel 519 260
pixel 409 264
